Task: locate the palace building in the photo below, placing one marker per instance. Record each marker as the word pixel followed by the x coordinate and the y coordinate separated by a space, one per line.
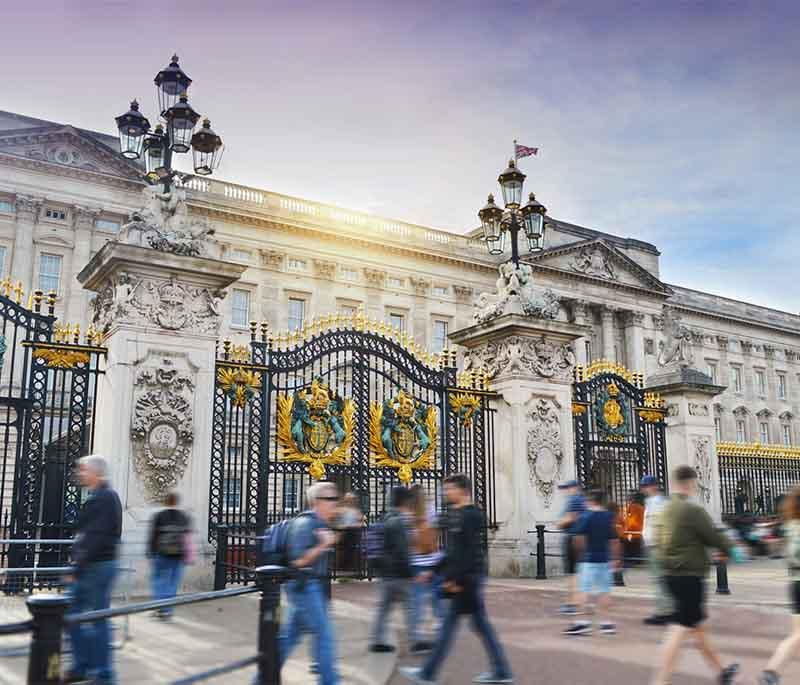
pixel 65 192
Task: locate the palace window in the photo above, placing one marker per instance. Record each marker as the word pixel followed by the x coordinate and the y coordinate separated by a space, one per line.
pixel 240 306
pixel 440 290
pixel 349 274
pixel 761 382
pixel 397 321
pixel 741 431
pixel 297 313
pixel 6 206
pixel 718 428
pixel 294 264
pixel 787 434
pixel 3 252
pixel 736 378
pixel 241 255
pixel 395 282
pixel 763 432
pixel 107 225
pixel 588 344
pixel 232 492
pixel 49 272
pixel 711 371
pixel 439 335
pixel 781 386
pixel 55 214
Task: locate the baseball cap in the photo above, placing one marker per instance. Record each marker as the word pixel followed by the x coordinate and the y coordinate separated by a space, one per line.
pixel 648 481
pixel 568 484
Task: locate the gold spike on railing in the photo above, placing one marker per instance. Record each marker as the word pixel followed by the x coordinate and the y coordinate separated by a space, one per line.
pixel 6 285
pixel 19 291
pixel 264 331
pixel 38 296
pixel 51 302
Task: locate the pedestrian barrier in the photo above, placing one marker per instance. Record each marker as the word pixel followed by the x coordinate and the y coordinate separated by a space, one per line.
pixel 619 577
pixel 49 618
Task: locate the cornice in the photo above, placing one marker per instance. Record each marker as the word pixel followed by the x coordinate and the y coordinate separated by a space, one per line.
pixel 69 172
pixel 733 319
pixel 611 285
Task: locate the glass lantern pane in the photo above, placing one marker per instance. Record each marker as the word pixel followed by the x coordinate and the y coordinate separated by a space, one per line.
pixel 512 192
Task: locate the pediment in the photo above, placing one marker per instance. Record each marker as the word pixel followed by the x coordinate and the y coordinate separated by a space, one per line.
pixel 67 147
pixel 597 260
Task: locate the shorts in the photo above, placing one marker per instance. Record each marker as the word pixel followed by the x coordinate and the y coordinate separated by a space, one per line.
pixel 594 578
pixel 570 560
pixel 795 591
pixel 689 595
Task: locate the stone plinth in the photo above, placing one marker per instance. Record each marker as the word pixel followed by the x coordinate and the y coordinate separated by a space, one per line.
pixel 160 313
pixel 531 364
pixel 690 435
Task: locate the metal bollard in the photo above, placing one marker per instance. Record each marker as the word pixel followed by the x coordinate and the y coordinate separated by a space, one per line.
pixel 722 579
pixel 220 567
pixel 44 662
pixel 541 561
pixel 269 580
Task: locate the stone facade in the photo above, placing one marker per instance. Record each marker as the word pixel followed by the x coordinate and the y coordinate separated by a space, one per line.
pixel 65 192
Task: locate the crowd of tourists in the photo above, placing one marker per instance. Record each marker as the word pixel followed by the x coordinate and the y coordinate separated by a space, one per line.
pixel 431 561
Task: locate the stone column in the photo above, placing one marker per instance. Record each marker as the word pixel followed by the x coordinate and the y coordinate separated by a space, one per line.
pixel 325 295
pixel 160 313
pixel 634 340
pixel 690 428
pixel 530 363
pixel 376 278
pixel 84 218
pixel 421 317
pixel 28 211
pixel 607 318
pixel 580 316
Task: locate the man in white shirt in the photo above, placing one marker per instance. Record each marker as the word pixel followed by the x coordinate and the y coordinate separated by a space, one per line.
pixel 655 502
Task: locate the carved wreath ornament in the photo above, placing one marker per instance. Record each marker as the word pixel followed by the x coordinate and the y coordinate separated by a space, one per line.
pixel 162 431
pixel 545 452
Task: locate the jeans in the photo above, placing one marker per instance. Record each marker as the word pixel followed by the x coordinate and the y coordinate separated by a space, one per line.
pixel 166 577
pixel 392 590
pixel 91 642
pixel 426 593
pixel 481 625
pixel 308 612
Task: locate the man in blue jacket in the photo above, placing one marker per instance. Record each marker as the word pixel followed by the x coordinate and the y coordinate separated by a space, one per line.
pixel 94 558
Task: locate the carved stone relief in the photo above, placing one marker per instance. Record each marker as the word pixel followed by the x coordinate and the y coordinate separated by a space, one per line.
pixel 696 409
pixel 463 293
pixel 702 464
pixel 536 356
pixel 161 429
pixel 676 347
pixel 85 217
pixel 593 262
pixel 272 259
pixel 375 277
pixel 673 410
pixel 515 288
pixel 421 286
pixel 649 346
pixel 544 448
pixel 169 304
pixel 28 207
pixel 324 269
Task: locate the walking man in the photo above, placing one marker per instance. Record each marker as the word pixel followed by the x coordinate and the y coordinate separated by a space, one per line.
pixel 398 575
pixel 94 558
pixel 464 572
pixel 686 536
pixel 310 540
pixel 599 549
pixel 655 502
pixel 167 549
pixel 574 506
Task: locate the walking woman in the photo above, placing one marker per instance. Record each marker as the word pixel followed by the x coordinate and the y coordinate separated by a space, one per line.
pixel 425 556
pixel 790 647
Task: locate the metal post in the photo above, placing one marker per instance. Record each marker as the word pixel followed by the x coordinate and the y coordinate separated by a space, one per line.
pixel 269 580
pixel 722 579
pixel 619 578
pixel 541 562
pixel 44 662
pixel 220 562
pixel 514 230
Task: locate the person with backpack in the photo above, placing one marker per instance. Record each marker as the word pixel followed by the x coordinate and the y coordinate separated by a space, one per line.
pixel 397 574
pixel 464 571
pixel 304 545
pixel 790 647
pixel 168 549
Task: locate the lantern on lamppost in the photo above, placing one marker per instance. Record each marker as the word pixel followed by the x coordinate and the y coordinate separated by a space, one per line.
pixel 207 149
pixel 132 127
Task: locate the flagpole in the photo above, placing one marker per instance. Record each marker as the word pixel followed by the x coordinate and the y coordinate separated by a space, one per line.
pixel 515 150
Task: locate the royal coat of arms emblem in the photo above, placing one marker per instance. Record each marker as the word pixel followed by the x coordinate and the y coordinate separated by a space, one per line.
pixel 611 413
pixel 403 433
pixel 315 426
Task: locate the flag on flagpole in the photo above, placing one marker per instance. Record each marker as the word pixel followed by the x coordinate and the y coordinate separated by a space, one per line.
pixel 521 151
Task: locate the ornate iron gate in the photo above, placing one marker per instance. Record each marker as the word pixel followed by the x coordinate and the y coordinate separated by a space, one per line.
pixel 619 430
pixel 347 400
pixel 48 383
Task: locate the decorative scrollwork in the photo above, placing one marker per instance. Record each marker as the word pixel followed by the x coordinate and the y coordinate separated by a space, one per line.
pixel 61 358
pixel 239 385
pixel 465 405
pixel 403 433
pixel 315 426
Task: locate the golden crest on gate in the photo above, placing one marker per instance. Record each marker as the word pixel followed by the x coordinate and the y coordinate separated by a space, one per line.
pixel 315 426
pixel 611 413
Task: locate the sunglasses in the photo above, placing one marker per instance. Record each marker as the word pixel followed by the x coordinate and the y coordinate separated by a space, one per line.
pixel 334 498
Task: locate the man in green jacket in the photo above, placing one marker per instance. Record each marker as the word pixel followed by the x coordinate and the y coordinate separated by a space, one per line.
pixel 687 534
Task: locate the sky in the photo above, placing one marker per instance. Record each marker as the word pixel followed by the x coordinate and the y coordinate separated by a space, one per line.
pixel 676 123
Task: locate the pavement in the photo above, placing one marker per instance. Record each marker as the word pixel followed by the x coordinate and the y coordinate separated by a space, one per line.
pixel 746 626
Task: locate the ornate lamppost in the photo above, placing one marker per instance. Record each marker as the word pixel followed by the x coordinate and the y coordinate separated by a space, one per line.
pixel 176 135
pixel 498 225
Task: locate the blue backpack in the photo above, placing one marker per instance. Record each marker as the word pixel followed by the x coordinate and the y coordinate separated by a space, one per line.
pixel 275 543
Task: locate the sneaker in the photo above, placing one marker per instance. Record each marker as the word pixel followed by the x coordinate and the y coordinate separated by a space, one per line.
pixel 568 610
pixel 381 649
pixel 769 678
pixel 608 629
pixel 656 620
pixel 313 668
pixel 489 678
pixel 579 629
pixel 728 674
pixel 421 648
pixel 414 674
pixel 71 677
